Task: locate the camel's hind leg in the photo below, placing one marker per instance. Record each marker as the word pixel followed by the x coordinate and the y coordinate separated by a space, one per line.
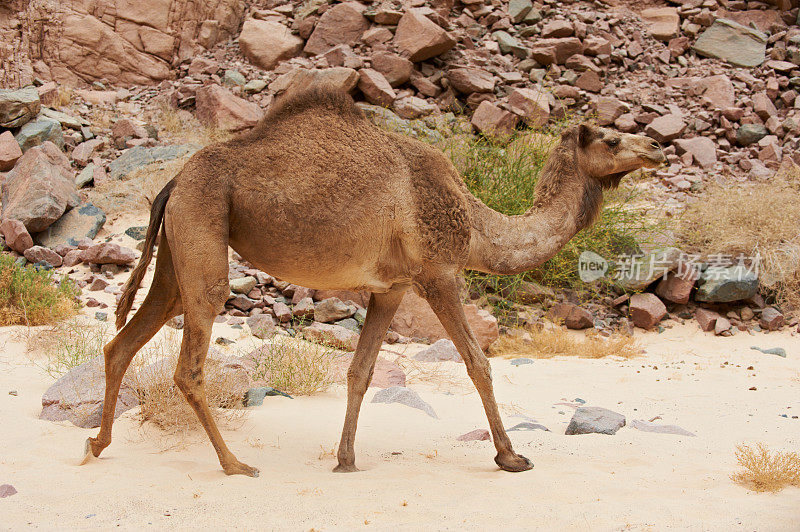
pixel 201 253
pixel 161 304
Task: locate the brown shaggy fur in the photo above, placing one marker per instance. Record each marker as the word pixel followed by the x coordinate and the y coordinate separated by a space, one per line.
pixel 318 196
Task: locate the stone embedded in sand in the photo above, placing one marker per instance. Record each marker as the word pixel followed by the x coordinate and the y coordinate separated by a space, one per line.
pixel 521 361
pixel 83 221
pixel 108 253
pixel 36 254
pixel 7 490
pixel 440 351
pixel 646 310
pixel 648 426
pixel 334 336
pixel 420 37
pixel 265 43
pixel 595 420
pixel 15 235
pixel 341 24
pixel 707 319
pixel 404 396
pixel 527 426
pixel 475 435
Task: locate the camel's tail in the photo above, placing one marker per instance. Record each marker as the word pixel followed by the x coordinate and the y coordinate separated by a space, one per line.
pixel 135 280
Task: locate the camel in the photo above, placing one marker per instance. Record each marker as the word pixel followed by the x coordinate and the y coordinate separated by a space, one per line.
pixel 318 196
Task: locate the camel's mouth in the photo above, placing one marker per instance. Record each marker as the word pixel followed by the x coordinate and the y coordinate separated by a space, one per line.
pixel 653 159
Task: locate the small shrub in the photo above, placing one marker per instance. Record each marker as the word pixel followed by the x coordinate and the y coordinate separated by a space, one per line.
pixel 766 471
pixel 32 296
pixel 552 341
pixel 293 366
pixel 68 344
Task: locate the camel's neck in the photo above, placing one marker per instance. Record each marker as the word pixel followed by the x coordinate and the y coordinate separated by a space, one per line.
pixel 566 202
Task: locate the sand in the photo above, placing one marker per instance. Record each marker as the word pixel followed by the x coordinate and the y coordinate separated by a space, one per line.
pixel 415 474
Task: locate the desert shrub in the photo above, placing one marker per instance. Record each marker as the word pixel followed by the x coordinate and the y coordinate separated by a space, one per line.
pixel 552 341
pixel 294 366
pixel 766 471
pixel 67 344
pixel 733 220
pixel 34 296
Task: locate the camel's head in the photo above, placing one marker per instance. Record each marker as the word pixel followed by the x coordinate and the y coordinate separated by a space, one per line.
pixel 607 155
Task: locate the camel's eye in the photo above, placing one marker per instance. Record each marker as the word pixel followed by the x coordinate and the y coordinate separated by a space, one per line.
pixel 613 143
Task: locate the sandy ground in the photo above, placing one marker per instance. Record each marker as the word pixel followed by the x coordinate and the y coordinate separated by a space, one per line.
pixel 416 475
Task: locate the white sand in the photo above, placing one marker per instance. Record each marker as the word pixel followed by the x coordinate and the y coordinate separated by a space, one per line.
pixel 415 474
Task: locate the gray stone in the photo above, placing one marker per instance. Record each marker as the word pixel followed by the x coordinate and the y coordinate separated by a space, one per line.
pixel 78 396
pixel 390 121
pixel 518 9
pixel 521 361
pixel 38 131
pixel 85 176
pixel 332 309
pixel 331 335
pixel 255 396
pixel 137 232
pixel 509 44
pixel 243 285
pixel 750 133
pixel 595 420
pixel 732 42
pixel 404 396
pixel 64 119
pixel 254 86
pixel 527 425
pixel 719 284
pixel 645 269
pixel 348 323
pixel 439 351
pixel 139 156
pixel 84 221
pixel 779 351
pixel 647 426
pixel 233 78
pixel 18 107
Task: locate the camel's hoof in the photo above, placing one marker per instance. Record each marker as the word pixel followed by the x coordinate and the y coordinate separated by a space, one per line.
pixel 514 463
pixel 241 469
pixel 345 468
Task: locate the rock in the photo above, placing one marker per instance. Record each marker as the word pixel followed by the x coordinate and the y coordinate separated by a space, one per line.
pixel 533 104
pixel 718 92
pixel 255 396
pixel 415 319
pixel 527 293
pixel 15 235
pixel 643 270
pixel 39 188
pixel 385 375
pixel 219 107
pixel 646 310
pixel 666 128
pixel 375 87
pixel 241 302
pixel 10 151
pixel 477 434
pixel 719 284
pixel 332 309
pixel 38 254
pixel 412 107
pixel 108 253
pixel 763 106
pixel 647 426
pixel 490 120
pixel 233 78
pixel 125 129
pixel 732 42
pixel 139 156
pixel 509 44
pixel 333 336
pixel 722 327
pixel 261 326
pixel 18 107
pixel 557 28
pixel 342 78
pixel 703 150
pixel 254 86
pixel 397 70
pixel 7 490
pixel 527 426
pixel 420 37
pixel 469 80
pixel 304 308
pixel 341 24
pixel 677 286
pixel 282 312
pixel 779 351
pixel 521 361
pixel 265 43
pixel 593 419
pixel 771 319
pixel 72 258
pixel 589 81
pixel 662 23
pixel 404 396
pixel 609 109
pixel 573 316
pixel 440 351
pixel 84 151
pixel 78 396
pixel 748 134
pixel 707 319
pixel 555 50
pixel 83 221
pixel 39 131
pixel 243 285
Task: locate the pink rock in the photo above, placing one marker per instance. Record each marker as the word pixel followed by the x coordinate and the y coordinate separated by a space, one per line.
pixel 331 335
pixel 376 89
pixel 36 254
pixel 677 286
pixel 475 435
pixel 763 106
pixel 562 49
pixel 469 80
pixel 666 128
pixel 282 312
pixel 385 375
pixel 397 70
pixel 108 253
pixel 72 258
pixel 7 490
pixel 341 24
pixel 593 45
pixel 420 37
pixel 219 107
pixel 707 319
pixel 203 65
pixel 10 152
pixel 534 104
pixel 557 28
pixel 646 310
pixel 573 316
pixel 609 109
pixel 662 23
pixel 84 151
pixel 491 120
pixel 16 236
pixel 266 43
pixel 771 319
pixel 717 91
pixel 702 149
pixel 126 128
pixel 342 78
pixel 589 81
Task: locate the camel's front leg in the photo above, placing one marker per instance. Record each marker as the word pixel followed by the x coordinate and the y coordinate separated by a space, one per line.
pixel 443 295
pixel 380 312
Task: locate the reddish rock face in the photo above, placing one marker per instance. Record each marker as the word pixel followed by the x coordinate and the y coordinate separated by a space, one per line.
pixel 266 43
pixel 707 319
pixel 420 37
pixel 646 310
pixel 36 254
pixel 609 109
pixel 219 107
pixel 341 24
pixel 703 150
pixel 557 28
pixel 662 23
pixel 573 316
pixel 677 286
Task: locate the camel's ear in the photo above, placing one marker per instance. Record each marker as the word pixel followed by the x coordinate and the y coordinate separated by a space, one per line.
pixel 586 134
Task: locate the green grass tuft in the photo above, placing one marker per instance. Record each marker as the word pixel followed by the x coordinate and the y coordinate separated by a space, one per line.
pixel 32 296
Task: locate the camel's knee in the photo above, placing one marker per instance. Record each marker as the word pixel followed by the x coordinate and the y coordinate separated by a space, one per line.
pixel 189 382
pixel 480 368
pixel 358 379
pixel 217 295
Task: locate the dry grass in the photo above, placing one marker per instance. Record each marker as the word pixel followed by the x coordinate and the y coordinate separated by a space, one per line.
pixel 553 341
pixel 293 366
pixel 29 296
pixel 163 404
pixel 737 220
pixel 766 471
pixel 183 127
pixel 67 345
pixel 63 97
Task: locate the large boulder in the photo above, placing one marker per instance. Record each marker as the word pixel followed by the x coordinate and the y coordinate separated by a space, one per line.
pixel 108 253
pixel 219 107
pixel 730 41
pixel 341 24
pixel 18 107
pixel 721 284
pixel 84 221
pixel 139 156
pixel 415 318
pixel 265 43
pixel 38 131
pixel 15 235
pixel 40 188
pixel 420 37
